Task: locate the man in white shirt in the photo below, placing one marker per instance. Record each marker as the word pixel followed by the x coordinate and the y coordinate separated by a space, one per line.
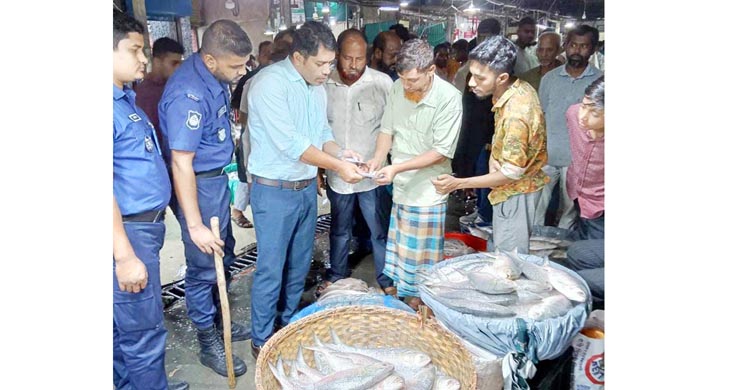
pixel 526 58
pixel 356 100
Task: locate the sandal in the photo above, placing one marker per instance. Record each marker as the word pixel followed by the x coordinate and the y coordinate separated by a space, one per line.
pixel 242 221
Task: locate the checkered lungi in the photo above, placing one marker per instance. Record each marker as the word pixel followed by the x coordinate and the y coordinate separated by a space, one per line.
pixel 415 243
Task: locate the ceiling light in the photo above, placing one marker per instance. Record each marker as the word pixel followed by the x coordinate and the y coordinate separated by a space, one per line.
pixel 471 9
pixel 326 8
pixel 404 3
pixel 282 26
pixel 269 30
pixel 388 8
pixel 570 24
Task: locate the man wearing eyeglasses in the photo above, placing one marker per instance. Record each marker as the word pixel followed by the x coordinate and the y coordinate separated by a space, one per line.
pixel 420 128
pixel 290 138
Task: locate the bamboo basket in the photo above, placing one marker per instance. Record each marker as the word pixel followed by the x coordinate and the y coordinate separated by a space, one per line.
pixel 368 326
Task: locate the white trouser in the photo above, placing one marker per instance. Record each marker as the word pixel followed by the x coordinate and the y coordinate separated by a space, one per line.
pixel 569 213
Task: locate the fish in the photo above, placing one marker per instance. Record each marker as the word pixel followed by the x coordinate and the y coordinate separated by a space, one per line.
pixel 445 382
pixel 482 309
pixel 359 378
pixel 333 294
pixel 393 382
pixel 450 293
pixel 422 379
pixel 559 254
pixel 526 297
pixel 550 307
pixel 405 360
pixel 505 266
pixel 545 239
pixel 535 272
pixel 305 369
pixel 490 283
pixel 532 286
pixel 340 360
pixel 566 284
pixel 541 245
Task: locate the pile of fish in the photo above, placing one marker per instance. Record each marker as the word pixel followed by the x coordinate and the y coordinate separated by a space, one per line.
pixel 503 285
pixel 555 248
pixel 344 367
pixel 345 287
pixel 455 248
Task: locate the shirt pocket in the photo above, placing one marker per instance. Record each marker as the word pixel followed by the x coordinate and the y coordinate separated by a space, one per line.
pixel 368 115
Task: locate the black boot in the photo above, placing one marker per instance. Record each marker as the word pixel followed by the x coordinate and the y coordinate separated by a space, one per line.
pixel 177 386
pixel 239 332
pixel 213 356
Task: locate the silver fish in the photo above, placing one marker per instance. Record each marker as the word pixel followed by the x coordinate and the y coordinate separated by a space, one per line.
pixel 532 286
pixel 406 361
pixel 506 265
pixel 545 239
pixel 339 360
pixel 541 245
pixel 535 272
pixel 445 382
pixel 338 293
pixel 422 379
pixel 566 284
pixel 550 307
pixel 393 382
pixel 526 297
pixel 359 378
pixel 482 309
pixel 305 369
pixel 450 293
pixel 491 283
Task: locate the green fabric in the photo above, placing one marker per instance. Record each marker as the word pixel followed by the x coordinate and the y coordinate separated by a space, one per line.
pixel 373 29
pixel 233 180
pixel 434 33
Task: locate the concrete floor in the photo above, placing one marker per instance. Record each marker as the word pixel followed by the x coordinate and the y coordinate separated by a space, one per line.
pixel 182 346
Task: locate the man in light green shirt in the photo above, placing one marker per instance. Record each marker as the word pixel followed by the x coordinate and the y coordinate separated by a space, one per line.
pixel 420 128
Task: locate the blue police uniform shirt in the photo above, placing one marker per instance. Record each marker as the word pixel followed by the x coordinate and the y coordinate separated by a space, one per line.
pixel 140 178
pixel 194 115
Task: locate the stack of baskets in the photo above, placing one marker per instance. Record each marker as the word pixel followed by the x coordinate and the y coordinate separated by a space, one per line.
pixel 368 326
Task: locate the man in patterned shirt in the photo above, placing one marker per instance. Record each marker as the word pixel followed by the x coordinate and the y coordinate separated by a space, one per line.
pixel 518 147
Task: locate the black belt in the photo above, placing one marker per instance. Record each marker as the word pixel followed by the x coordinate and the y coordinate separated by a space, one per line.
pixel 211 173
pixel 146 216
pixel 290 185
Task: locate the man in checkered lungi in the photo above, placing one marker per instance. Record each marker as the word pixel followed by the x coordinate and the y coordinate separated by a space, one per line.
pixel 420 128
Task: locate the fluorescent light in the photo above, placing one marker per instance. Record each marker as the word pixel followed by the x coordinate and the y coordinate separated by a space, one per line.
pixel 388 8
pixel 570 25
pixel 404 3
pixel 472 9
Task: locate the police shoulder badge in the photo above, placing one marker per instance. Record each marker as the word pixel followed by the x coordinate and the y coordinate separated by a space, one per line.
pixel 134 117
pixel 193 121
pixel 222 134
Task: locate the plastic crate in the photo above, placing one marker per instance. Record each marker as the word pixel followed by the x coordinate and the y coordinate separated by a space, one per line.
pixel 474 242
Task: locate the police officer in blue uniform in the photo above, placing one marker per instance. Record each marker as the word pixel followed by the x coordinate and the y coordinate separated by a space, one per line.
pixel 141 193
pixel 194 116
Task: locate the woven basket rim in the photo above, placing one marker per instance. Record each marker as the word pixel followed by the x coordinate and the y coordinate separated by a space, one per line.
pixel 291 329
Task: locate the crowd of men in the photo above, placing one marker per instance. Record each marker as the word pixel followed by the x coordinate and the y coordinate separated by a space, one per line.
pixel 395 127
